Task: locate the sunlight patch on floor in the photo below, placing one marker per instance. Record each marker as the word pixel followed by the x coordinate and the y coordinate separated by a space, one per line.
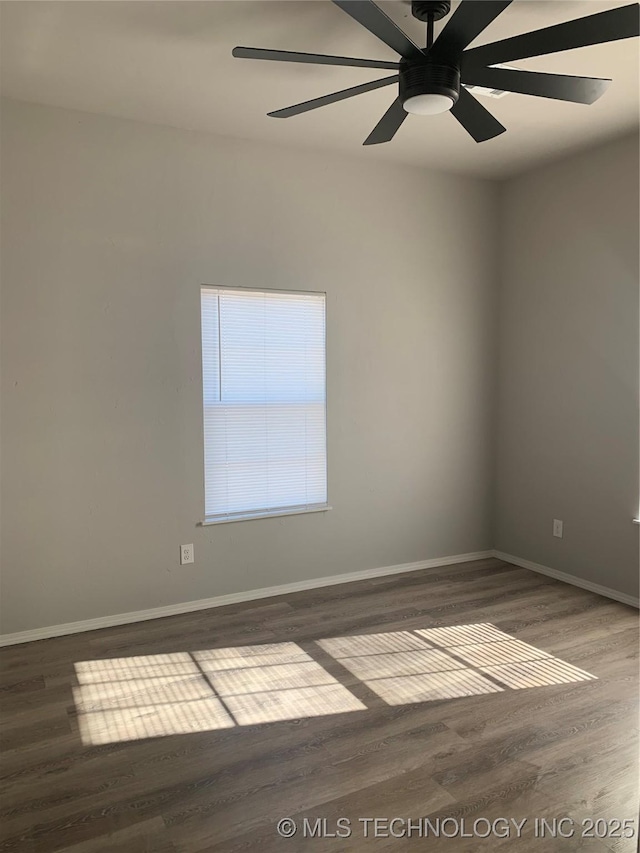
pixel 183 717
pixel 140 692
pixel 460 635
pixel 125 699
pixel 262 684
pixel 292 704
pixel 152 695
pixel 460 660
pixel 427 688
pixel 400 671
pixel 141 666
pixel 370 644
pixel 213 660
pixel 538 673
pixel 490 654
pixel 416 662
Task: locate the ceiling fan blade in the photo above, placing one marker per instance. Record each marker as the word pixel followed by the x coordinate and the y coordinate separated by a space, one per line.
pixel 467 22
pixel 579 90
pixel 372 18
pixel 476 120
pixel 388 125
pixel 611 25
pixel 296 109
pixel 311 58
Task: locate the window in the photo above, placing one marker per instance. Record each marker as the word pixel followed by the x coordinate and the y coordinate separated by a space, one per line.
pixel 264 394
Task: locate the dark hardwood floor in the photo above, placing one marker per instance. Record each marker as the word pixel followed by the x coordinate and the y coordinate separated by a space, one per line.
pixel 561 751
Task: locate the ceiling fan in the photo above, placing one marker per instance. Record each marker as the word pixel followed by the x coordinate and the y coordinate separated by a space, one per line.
pixel 432 79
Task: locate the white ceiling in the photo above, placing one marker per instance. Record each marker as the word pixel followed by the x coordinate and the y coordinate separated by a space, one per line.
pixel 170 63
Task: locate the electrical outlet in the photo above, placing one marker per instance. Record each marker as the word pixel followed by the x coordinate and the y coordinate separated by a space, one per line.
pixel 557 528
pixel 186 554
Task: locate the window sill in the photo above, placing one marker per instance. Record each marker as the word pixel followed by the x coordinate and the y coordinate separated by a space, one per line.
pixel 278 513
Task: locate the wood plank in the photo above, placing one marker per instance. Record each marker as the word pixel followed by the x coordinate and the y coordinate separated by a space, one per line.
pixel 566 750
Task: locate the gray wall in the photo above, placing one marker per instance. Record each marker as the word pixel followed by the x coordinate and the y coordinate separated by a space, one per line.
pixel 109 227
pixel 567 439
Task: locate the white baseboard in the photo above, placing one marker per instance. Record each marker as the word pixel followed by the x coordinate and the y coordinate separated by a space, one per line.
pixel 232 598
pixel 570 579
pixel 298 586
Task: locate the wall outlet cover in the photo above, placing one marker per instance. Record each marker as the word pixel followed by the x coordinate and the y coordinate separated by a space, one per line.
pixel 186 554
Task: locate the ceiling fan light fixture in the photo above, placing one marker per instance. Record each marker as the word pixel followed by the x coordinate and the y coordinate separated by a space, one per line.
pixel 443 75
pixel 428 104
pixel 428 88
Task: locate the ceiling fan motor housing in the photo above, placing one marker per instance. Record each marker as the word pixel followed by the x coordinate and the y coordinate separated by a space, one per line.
pixel 429 78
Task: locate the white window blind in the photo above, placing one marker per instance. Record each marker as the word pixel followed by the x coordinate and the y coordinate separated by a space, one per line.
pixel 264 394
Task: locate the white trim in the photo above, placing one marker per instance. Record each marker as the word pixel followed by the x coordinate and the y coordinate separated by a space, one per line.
pixel 247 516
pixel 232 598
pixel 254 289
pixel 606 591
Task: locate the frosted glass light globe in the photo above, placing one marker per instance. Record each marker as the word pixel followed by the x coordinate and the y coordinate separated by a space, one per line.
pixel 428 105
